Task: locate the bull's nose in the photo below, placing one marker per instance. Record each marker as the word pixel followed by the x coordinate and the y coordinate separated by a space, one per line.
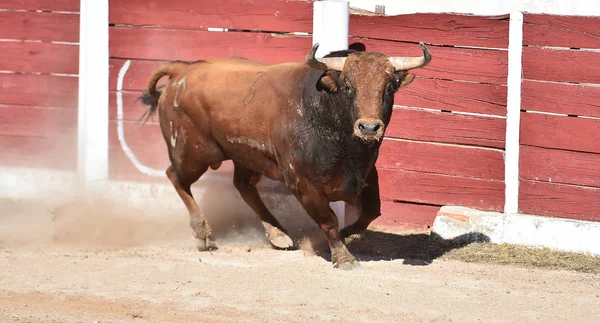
pixel 370 128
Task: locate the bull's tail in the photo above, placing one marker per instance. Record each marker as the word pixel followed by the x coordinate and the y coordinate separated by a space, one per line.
pixel 151 96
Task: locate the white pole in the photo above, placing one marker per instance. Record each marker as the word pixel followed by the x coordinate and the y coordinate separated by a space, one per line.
pixel 330 25
pixel 92 120
pixel 331 21
pixel 513 113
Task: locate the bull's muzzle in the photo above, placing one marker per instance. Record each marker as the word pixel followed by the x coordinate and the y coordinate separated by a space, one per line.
pixel 369 129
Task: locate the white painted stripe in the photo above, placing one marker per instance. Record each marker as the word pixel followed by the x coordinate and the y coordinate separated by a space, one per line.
pixel 513 113
pixel 142 168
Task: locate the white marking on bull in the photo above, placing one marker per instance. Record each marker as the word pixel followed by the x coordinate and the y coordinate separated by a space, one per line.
pixel 120 132
pixel 177 97
pixel 248 142
pixel 174 138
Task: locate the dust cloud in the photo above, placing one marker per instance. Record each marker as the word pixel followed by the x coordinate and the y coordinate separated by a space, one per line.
pixel 96 223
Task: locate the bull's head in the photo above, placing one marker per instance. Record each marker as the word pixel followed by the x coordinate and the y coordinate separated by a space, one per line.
pixel 369 77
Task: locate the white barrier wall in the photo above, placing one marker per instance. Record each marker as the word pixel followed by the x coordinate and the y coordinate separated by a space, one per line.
pixel 483 7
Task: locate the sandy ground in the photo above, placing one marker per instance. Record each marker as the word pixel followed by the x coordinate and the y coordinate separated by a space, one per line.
pixel 100 263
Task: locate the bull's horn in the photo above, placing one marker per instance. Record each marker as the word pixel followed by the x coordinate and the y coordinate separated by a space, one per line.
pixel 328 63
pixel 409 63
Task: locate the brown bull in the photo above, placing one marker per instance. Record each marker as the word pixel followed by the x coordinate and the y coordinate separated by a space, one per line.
pixel 316 126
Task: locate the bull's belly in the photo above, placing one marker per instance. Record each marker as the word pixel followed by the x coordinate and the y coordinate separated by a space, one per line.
pixel 254 156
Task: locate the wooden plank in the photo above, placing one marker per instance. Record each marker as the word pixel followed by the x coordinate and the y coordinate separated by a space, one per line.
pixel 454 96
pixel 406 215
pixel 560 98
pixel 560 132
pixel 442 159
pixel 561 31
pixel 147 144
pixel 57 152
pixel 442 29
pixel 446 127
pixel 449 63
pixel 423 93
pixel 195 45
pixel 38 57
pixel 559 166
pixel 138 73
pixel 45 5
pixel 559 200
pixel 43 26
pixel 36 121
pixel 133 109
pixel 561 65
pixel 269 15
pixel 401 185
pixel 39 90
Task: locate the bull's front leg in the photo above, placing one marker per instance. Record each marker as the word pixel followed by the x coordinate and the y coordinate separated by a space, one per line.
pixel 317 206
pixel 369 204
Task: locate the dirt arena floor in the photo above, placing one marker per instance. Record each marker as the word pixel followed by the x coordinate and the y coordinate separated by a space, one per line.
pixel 96 262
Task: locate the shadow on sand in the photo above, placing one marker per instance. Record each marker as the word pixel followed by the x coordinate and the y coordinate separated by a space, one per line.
pixel 418 249
pixel 234 220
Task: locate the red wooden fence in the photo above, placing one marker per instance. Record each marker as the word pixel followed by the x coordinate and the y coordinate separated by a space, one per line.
pixel 560 125
pixel 445 144
pixel 39 65
pixel 438 151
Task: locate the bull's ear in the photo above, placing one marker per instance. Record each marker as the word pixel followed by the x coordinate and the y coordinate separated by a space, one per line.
pixel 402 79
pixel 329 82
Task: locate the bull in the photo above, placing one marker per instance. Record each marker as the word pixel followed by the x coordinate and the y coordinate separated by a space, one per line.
pixel 315 125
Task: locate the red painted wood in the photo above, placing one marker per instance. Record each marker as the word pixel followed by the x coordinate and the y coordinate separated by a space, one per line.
pixel 450 63
pixel 194 45
pixel 269 15
pixel 57 152
pixel 133 109
pixel 39 57
pixel 559 166
pixel 441 189
pixel 447 128
pixel 39 90
pixel 560 132
pixel 454 96
pixel 446 29
pixel 423 93
pixel 149 147
pixel 136 78
pixel 36 121
pixel 45 5
pixel 406 215
pixel 43 26
pixel 145 141
pixel 442 159
pixel 561 98
pixel 559 200
pixel 561 31
pixel 488 66
pixel 561 65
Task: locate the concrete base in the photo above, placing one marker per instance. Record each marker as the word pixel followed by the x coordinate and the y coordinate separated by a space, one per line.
pixel 529 230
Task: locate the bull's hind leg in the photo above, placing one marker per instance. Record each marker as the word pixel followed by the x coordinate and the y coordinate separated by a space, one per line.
pixel 200 228
pixel 245 181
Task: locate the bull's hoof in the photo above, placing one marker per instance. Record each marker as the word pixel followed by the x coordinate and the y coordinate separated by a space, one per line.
pixel 206 245
pixel 351 238
pixel 280 240
pixel 347 265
